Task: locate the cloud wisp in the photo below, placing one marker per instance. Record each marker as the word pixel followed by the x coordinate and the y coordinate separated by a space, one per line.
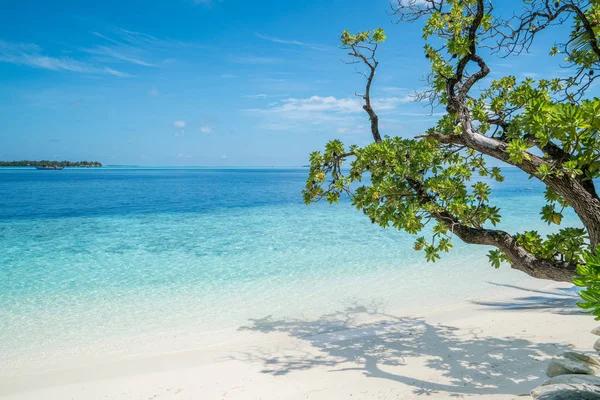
pixel 256 60
pixel 115 48
pixel 123 53
pixel 136 48
pixel 31 55
pixel 277 40
pixel 256 96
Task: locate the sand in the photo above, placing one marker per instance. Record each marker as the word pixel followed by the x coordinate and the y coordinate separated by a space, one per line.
pixel 492 349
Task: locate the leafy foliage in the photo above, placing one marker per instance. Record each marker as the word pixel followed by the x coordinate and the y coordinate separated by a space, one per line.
pixel 441 178
pixel 410 180
pixel 377 36
pixel 589 278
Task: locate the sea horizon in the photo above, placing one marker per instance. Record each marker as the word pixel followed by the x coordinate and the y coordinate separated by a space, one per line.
pixel 303 167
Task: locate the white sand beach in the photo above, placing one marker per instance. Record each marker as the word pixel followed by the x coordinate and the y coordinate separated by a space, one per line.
pixel 494 349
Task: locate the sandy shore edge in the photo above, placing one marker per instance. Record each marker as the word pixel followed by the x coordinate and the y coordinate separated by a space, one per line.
pixel 492 348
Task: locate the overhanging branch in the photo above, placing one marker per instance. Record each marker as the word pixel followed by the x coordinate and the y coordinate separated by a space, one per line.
pixel 519 258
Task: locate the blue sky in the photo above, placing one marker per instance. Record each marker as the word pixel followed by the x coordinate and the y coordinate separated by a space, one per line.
pixel 183 82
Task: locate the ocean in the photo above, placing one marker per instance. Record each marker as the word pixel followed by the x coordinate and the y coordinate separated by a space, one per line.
pixel 131 260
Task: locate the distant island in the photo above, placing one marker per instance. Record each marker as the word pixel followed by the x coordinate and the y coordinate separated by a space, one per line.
pixel 47 163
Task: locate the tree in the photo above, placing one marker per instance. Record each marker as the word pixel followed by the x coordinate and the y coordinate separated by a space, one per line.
pixel 548 128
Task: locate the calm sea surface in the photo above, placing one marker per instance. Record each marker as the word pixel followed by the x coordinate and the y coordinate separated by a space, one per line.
pixel 101 256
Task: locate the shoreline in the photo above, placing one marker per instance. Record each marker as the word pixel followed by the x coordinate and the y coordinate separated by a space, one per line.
pixel 525 326
pixel 186 333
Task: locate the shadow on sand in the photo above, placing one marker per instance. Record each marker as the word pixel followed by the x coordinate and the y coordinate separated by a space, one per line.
pixel 384 346
pixel 556 300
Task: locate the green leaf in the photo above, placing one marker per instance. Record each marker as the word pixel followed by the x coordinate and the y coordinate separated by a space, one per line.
pixel 589 278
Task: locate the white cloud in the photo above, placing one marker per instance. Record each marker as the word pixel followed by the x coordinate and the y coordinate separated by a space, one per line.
pixel 256 96
pixel 31 55
pixel 180 133
pixel 316 104
pixel 123 53
pixel 114 72
pixel 116 45
pixel 138 49
pixel 330 104
pixel 292 42
pixel 179 124
pixel 206 129
pixel 354 129
pixel 406 3
pixel 182 155
pixel 250 59
pixel 144 42
pixel 267 80
pixel 344 115
pixel 224 156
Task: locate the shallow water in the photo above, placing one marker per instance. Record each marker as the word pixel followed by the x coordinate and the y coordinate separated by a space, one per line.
pixel 100 255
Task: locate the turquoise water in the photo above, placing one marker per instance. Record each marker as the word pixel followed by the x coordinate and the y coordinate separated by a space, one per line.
pixel 107 259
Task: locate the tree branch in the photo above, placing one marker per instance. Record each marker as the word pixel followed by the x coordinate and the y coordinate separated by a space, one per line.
pixel 519 258
pixel 372 64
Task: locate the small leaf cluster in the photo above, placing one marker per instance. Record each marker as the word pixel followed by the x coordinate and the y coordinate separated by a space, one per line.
pixel 568 244
pixel 579 49
pixel 588 277
pixel 327 165
pixel 375 36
